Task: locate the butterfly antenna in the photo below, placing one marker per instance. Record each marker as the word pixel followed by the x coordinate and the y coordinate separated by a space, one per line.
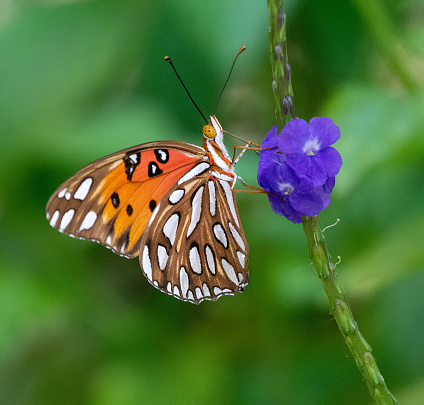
pixel 168 59
pixel 228 77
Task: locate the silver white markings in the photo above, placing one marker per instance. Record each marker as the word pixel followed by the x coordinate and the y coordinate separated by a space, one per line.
pixel 170 227
pixel 184 282
pixel 66 219
pixel 88 221
pixel 210 259
pixel 196 206
pixel 236 236
pixel 194 258
pixel 176 196
pixel 220 234
pixel 195 171
pixel 230 200
pixel 83 189
pixel 54 219
pixel 80 194
pixel 212 197
pixel 162 257
pixel 147 265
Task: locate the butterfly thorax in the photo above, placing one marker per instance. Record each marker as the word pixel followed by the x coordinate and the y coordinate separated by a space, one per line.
pixel 219 159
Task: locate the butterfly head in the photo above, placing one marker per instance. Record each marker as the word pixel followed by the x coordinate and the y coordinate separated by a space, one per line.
pixel 209 131
pixel 213 130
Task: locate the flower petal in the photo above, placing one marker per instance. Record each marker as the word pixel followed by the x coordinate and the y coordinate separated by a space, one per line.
pixel 329 185
pixel 329 160
pixel 309 167
pixel 285 209
pixel 294 136
pixel 308 204
pixel 325 130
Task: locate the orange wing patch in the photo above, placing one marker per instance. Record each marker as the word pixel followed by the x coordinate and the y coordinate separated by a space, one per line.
pixel 129 204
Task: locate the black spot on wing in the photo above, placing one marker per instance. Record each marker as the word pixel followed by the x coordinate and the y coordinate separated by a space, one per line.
pixel 131 161
pixel 153 169
pixel 115 200
pixel 162 155
pixel 152 205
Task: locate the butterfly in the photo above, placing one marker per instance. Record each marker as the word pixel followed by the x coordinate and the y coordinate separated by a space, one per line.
pixel 169 202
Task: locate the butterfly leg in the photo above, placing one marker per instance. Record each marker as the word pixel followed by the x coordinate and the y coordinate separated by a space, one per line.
pixel 243 149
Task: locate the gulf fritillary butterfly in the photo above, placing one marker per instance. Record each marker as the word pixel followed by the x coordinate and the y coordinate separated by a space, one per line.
pixel 170 203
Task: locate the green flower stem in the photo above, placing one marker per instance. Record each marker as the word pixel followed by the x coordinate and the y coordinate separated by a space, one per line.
pixel 318 252
pixel 342 313
pixel 281 71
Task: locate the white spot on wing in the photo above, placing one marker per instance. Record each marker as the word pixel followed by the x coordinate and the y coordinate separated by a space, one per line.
pixel 194 258
pixel 196 206
pixel 229 194
pixel 220 235
pixel 108 240
pixel 206 291
pixel 88 221
pixel 212 197
pixel 199 294
pixel 170 227
pixel 236 236
pixel 169 287
pixel 176 291
pixel 134 158
pixel 210 259
pixel 68 195
pixel 54 219
pixel 176 196
pixel 66 219
pixel 222 176
pixel 195 171
pixel 147 264
pixel 190 295
pixel 184 282
pixel 229 270
pixel 162 257
pixel 217 291
pixel 83 189
pixel 62 193
pixel 241 257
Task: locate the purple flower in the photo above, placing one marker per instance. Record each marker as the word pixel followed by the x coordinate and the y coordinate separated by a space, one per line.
pixel 298 170
pixel 308 148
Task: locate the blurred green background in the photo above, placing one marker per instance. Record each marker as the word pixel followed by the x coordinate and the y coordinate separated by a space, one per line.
pixel 79 80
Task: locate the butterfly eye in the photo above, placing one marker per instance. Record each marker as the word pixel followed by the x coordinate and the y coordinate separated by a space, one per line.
pixel 209 131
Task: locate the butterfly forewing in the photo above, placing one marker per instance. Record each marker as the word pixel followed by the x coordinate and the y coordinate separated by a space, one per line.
pixel 194 246
pixel 111 200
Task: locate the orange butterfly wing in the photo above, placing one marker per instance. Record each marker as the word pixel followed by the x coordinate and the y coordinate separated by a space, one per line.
pixel 112 199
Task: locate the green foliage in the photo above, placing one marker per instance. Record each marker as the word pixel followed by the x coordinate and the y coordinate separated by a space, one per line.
pixel 78 324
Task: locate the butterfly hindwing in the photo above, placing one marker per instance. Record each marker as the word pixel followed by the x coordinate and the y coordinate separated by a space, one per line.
pixel 111 200
pixel 194 246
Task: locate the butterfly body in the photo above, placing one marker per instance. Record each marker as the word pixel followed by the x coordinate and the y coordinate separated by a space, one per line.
pixel 170 203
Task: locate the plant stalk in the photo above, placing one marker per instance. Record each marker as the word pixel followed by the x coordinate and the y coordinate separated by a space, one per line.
pixel 339 306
